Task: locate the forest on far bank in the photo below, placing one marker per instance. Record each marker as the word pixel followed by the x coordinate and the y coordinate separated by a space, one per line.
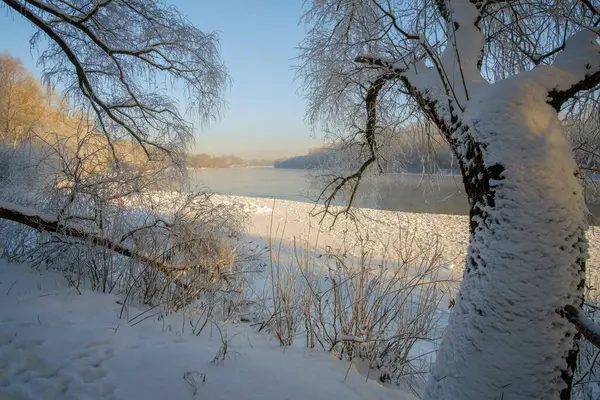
pixel 204 160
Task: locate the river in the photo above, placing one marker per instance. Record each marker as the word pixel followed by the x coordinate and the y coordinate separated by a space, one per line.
pixel 395 192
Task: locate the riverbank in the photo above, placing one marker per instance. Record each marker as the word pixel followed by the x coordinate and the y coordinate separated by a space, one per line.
pixel 108 346
pixel 394 192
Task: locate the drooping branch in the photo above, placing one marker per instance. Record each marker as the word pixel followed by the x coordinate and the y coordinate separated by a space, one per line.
pixel 588 328
pixel 31 218
pixel 423 100
pixel 85 86
pixel 113 56
pixel 339 183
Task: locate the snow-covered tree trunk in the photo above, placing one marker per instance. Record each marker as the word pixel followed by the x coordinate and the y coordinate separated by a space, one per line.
pixel 507 338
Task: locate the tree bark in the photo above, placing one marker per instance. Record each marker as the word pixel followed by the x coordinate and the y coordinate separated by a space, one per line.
pixel 584 325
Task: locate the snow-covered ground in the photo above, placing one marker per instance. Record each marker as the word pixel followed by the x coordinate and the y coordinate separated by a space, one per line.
pixel 57 344
pixel 293 219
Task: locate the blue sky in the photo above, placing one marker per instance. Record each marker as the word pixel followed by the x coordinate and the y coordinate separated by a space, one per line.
pixel 265 115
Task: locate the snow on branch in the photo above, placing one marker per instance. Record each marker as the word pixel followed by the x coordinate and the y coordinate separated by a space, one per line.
pixel 456 72
pixel 379 62
pixel 579 64
pixel 31 218
pixel 588 328
pixel 448 79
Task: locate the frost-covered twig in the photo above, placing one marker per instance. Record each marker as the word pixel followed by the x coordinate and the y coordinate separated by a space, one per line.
pixel 190 378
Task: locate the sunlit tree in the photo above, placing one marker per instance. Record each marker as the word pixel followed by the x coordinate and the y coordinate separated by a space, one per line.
pixel 122 137
pixel 495 77
pixel 24 102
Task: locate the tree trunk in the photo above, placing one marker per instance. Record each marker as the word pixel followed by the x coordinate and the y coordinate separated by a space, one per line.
pixel 507 337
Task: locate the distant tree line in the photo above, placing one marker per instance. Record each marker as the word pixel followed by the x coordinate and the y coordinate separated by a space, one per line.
pixel 412 153
pixel 35 114
pixel 315 159
pixel 204 160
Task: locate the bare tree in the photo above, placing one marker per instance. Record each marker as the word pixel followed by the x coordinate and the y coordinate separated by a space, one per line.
pixel 493 77
pixel 120 57
pixel 24 103
pixel 119 62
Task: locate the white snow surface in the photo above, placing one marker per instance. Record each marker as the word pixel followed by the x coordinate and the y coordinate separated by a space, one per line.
pixel 458 61
pixel 293 219
pixel 56 344
pixel 248 207
pixel 580 57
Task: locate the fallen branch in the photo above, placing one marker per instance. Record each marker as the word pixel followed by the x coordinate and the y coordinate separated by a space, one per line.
pixel 33 219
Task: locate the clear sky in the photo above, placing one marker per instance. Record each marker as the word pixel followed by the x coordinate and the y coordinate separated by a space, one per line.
pixel 265 114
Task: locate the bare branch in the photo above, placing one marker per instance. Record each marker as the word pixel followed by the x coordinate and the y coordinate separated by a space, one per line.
pixel 588 328
pixel 370 132
pixel 119 55
pixel 593 9
pixel 33 219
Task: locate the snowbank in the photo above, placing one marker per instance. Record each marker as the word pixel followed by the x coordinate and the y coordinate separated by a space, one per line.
pixel 241 204
pixel 56 344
